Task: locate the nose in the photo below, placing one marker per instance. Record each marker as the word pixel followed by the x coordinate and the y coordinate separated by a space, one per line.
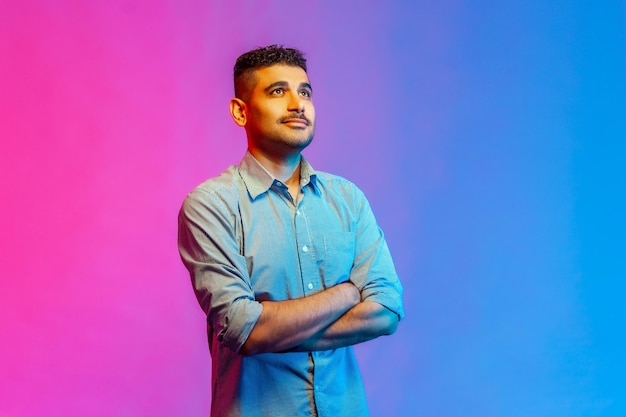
pixel 296 103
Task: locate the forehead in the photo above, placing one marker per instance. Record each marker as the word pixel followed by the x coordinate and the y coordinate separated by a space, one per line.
pixel 280 73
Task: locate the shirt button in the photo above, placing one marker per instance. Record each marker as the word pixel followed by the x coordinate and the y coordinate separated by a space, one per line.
pixel 305 248
pixel 298 212
pixel 310 286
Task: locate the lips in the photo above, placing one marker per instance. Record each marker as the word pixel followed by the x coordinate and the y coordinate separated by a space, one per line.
pixel 296 120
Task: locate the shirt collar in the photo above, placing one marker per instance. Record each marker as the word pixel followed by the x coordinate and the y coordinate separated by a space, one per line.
pixel 258 180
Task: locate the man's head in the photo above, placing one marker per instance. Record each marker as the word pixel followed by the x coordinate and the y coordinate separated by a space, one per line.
pixel 274 101
pixel 248 63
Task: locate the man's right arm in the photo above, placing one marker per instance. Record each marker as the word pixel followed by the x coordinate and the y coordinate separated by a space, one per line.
pixel 209 248
pixel 286 324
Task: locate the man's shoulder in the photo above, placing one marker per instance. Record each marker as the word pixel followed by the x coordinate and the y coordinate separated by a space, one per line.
pixel 221 190
pixel 336 182
pixel 224 181
pixel 327 177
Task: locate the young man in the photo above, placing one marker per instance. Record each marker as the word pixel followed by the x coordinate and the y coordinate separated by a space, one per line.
pixel 288 263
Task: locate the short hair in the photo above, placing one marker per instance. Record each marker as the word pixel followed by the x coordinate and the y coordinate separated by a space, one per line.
pixel 247 63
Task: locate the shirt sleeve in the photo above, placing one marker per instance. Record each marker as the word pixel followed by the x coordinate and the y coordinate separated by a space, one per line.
pixel 373 271
pixel 208 242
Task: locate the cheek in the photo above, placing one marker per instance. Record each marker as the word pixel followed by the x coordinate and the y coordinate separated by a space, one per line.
pixel 270 114
pixel 263 118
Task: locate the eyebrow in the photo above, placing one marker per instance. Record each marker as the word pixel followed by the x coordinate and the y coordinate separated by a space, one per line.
pixel 285 84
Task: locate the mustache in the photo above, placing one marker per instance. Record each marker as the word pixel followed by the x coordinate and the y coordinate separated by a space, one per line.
pixel 292 116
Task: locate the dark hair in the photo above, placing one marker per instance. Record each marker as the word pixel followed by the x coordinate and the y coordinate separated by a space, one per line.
pixel 246 64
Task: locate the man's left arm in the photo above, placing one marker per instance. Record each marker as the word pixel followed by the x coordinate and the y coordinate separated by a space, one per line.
pixel 365 321
pixel 374 274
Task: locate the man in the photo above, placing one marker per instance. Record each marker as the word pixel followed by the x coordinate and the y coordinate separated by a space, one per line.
pixel 288 263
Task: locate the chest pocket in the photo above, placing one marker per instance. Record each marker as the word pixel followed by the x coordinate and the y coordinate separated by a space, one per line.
pixel 338 257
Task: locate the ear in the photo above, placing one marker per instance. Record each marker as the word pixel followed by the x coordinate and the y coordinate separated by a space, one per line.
pixel 238 111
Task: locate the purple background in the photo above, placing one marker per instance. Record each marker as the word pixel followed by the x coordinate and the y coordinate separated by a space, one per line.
pixel 489 137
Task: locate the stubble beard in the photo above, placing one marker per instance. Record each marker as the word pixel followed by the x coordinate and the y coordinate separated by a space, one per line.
pixel 297 143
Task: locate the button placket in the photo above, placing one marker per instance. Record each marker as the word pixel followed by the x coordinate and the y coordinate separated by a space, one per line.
pixel 306 249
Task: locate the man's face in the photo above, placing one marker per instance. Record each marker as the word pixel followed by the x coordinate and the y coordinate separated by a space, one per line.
pixel 280 112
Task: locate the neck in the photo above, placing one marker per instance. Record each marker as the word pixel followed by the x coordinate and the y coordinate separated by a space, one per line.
pixel 285 169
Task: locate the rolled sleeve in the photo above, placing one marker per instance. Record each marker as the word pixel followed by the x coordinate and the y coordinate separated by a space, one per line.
pixel 373 271
pixel 208 243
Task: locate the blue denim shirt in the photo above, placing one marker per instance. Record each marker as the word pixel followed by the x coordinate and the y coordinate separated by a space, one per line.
pixel 244 241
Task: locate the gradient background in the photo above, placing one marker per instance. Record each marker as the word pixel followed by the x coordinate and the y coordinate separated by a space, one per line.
pixel 489 137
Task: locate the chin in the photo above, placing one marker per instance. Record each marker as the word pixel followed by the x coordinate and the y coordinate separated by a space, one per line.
pixel 302 143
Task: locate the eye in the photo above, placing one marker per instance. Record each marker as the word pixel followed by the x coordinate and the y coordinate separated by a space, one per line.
pixel 305 93
pixel 278 92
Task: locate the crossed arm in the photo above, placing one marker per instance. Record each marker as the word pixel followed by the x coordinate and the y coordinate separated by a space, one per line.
pixel 333 318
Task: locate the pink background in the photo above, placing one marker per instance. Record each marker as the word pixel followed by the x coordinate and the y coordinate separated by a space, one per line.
pixel 489 138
